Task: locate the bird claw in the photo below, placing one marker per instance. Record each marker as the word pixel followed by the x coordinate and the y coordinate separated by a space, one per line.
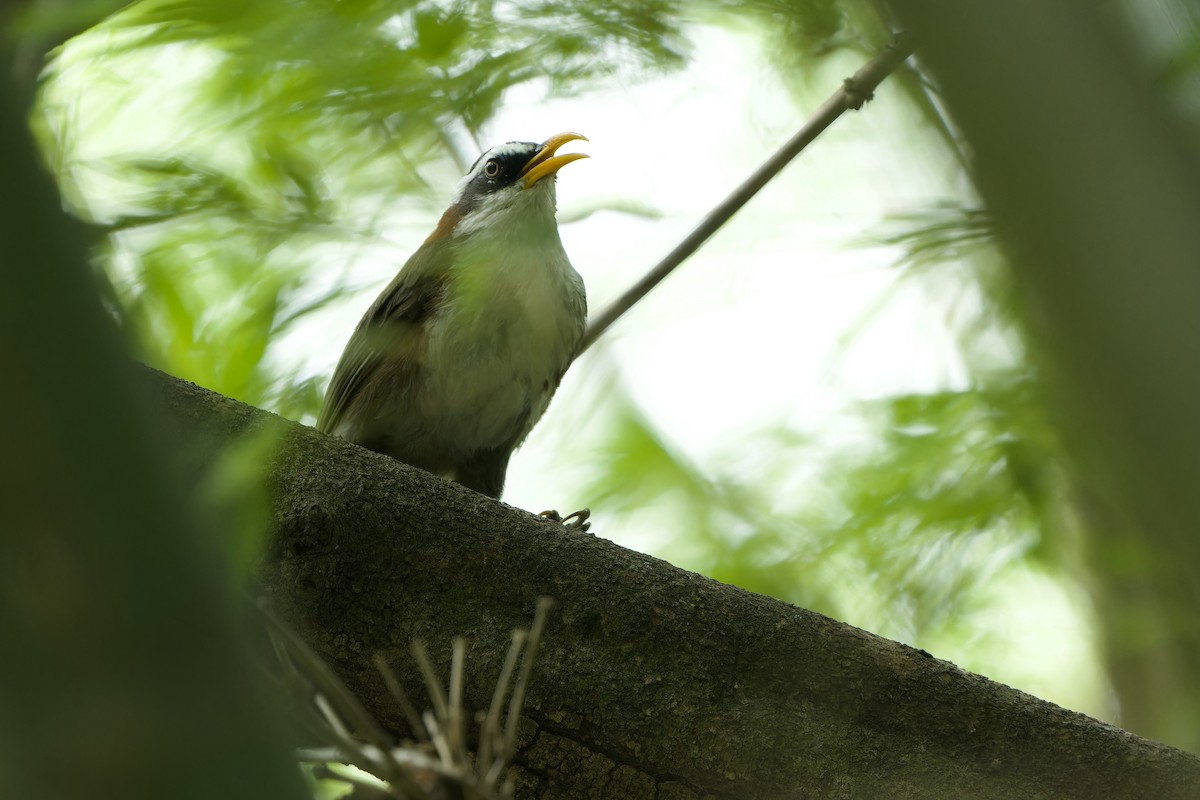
pixel 578 520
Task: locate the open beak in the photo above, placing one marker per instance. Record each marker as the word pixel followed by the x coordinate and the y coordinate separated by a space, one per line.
pixel 546 163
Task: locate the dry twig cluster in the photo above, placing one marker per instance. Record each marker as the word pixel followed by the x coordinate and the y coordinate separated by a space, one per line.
pixel 438 762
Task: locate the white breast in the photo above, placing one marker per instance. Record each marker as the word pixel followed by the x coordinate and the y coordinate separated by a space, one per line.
pixel 514 316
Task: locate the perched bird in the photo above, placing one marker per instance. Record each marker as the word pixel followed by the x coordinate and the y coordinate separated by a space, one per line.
pixel 458 358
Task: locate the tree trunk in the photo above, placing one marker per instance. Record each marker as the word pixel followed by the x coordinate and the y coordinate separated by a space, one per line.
pixel 652 682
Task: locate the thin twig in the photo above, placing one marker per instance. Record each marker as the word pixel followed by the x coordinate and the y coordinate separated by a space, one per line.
pixel 853 93
pixel 440 742
pixel 365 757
pixel 335 704
pixel 401 698
pixel 331 718
pixel 455 723
pixel 433 686
pixel 324 681
pixel 491 737
pixel 518 697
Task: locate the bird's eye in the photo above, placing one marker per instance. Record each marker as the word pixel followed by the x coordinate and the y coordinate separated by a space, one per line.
pixel 492 168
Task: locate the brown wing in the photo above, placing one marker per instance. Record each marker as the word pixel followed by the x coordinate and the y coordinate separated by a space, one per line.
pixel 391 324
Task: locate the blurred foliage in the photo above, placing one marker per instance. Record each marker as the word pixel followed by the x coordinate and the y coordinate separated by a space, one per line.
pixel 904 533
pixel 296 126
pixel 798 34
pixel 300 133
pixel 1105 259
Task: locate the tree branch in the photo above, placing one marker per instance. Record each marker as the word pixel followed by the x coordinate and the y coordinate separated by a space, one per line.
pixel 652 682
pixel 854 92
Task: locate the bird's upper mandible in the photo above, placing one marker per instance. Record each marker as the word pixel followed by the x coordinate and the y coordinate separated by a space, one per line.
pixel 545 163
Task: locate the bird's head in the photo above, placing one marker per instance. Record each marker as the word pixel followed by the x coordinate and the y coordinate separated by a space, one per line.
pixel 510 181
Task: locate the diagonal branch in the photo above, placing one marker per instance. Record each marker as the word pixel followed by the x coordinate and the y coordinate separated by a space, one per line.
pixel 854 92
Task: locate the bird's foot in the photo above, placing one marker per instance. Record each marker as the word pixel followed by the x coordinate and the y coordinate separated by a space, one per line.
pixel 578 520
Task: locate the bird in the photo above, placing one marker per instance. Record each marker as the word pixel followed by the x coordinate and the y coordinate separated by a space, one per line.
pixel 458 358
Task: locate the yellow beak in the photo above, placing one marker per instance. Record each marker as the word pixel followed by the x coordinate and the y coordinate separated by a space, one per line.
pixel 546 163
